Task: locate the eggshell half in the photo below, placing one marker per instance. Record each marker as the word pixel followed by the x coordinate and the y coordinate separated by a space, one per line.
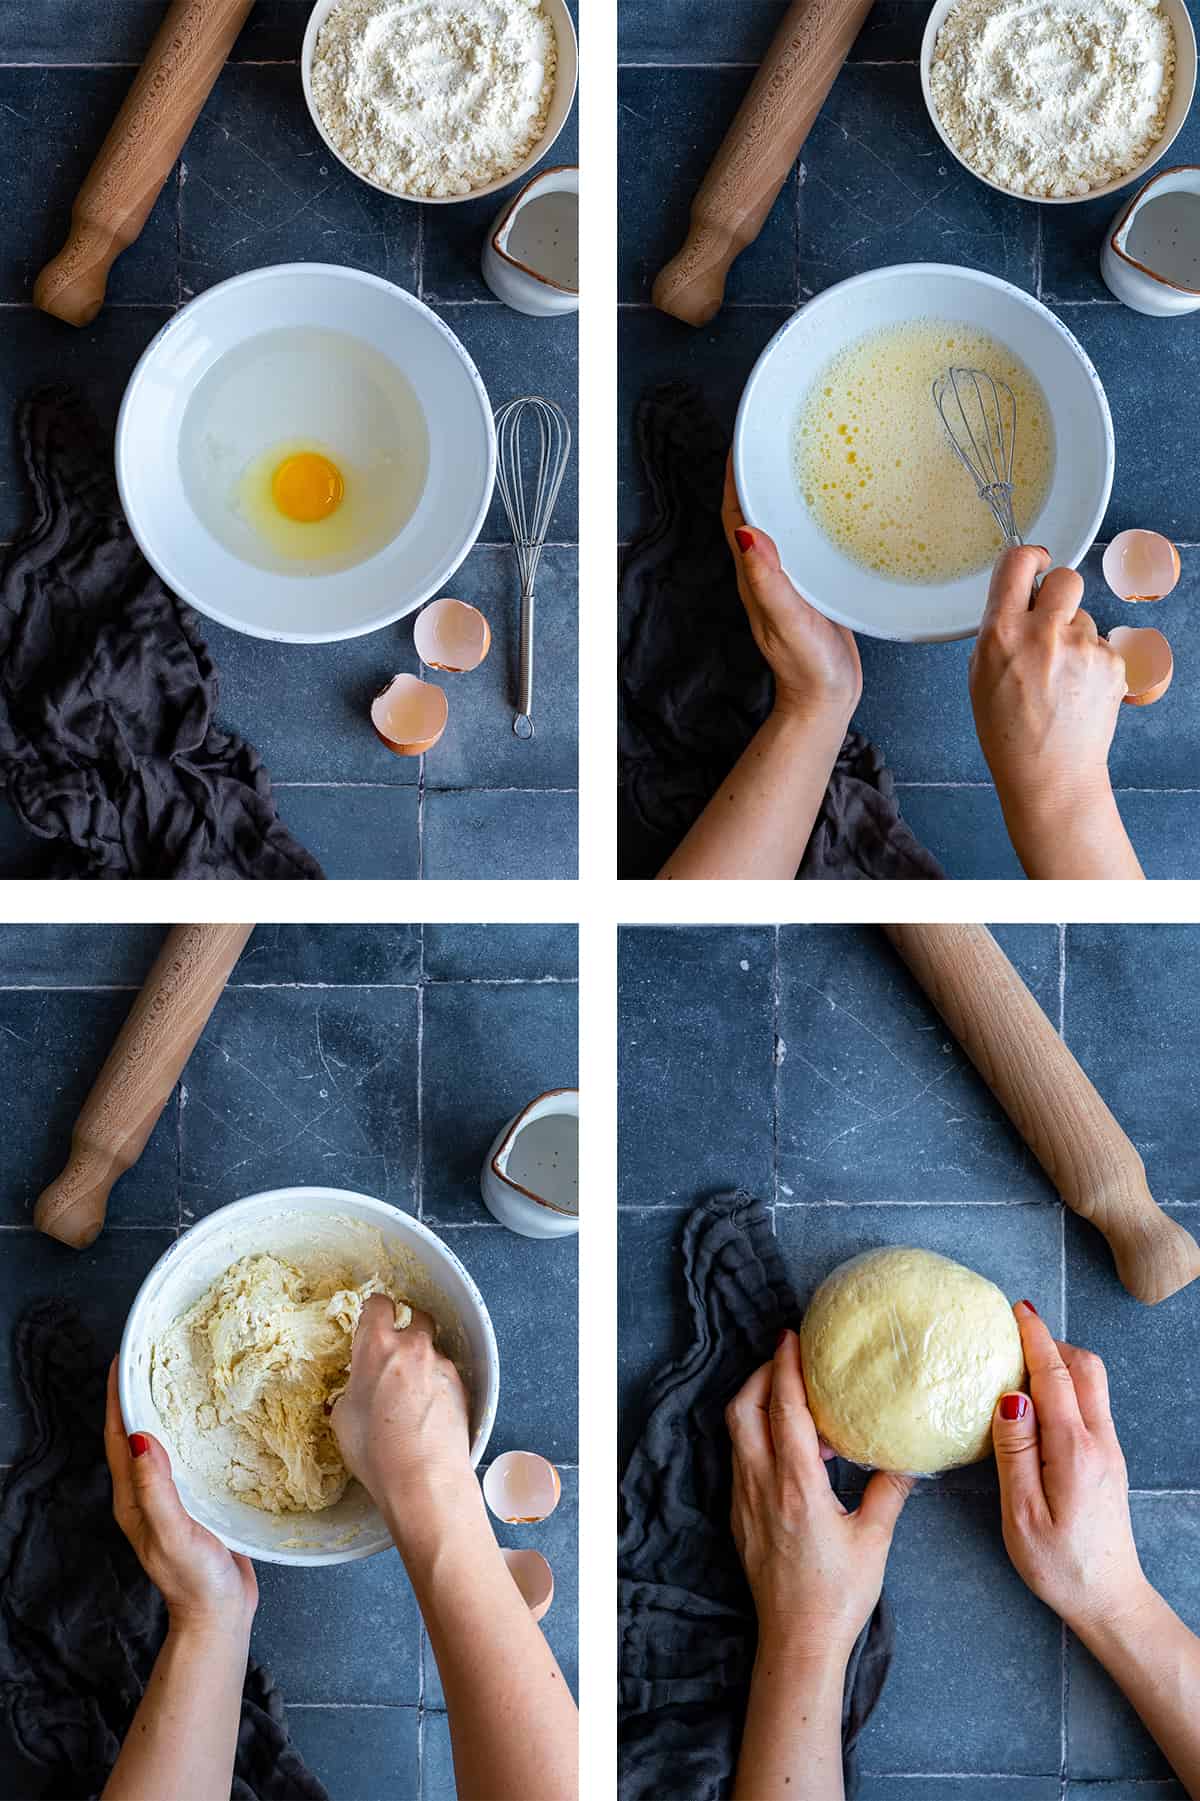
pixel 521 1488
pixel 535 1579
pixel 451 635
pixel 1149 664
pixel 1140 565
pixel 409 715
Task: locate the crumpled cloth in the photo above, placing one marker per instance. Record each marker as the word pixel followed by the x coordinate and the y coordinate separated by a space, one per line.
pixel 80 1622
pixel 107 689
pixel 687 1627
pixel 693 684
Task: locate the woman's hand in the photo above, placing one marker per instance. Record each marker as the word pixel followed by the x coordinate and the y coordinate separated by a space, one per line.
pixel 815 663
pixel 814 1569
pixel 402 1423
pixel 202 1583
pixel 1064 1494
pixel 1047 689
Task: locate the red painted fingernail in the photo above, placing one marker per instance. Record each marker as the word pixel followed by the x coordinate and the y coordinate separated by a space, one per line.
pixel 139 1444
pixel 745 539
pixel 781 1338
pixel 1014 1407
pixel 1032 1309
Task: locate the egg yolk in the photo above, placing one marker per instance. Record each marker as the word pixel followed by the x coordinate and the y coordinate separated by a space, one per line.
pixel 307 487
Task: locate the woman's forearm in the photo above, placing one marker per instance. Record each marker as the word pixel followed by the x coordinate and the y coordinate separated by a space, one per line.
pixel 759 821
pixel 514 1727
pixel 1080 839
pixel 183 1738
pixel 1155 1661
pixel 792 1743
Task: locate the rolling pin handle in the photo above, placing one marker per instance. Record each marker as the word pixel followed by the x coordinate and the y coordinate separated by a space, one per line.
pixel 72 286
pixel 691 286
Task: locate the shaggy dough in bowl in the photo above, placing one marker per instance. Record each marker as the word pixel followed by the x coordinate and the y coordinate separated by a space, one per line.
pixel 245 1378
pixel 905 1355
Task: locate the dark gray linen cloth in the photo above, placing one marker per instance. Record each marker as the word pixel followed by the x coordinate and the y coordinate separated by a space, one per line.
pixel 107 691
pixel 80 1622
pixel 693 684
pixel 687 1629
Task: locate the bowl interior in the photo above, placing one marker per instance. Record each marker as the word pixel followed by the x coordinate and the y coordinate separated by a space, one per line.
pixel 565 81
pixel 288 1222
pixel 774 395
pixel 317 356
pixel 1178 106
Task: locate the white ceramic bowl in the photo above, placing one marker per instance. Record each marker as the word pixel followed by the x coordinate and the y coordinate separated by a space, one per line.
pixel 187 525
pixel 1177 107
pixel 287 1221
pixel 770 406
pixel 566 78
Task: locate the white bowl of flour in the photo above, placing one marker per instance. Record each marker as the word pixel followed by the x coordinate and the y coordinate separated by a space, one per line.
pixel 313 1229
pixel 436 101
pixel 1058 101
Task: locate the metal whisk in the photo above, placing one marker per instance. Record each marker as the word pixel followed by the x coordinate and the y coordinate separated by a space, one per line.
pixel 533 440
pixel 980 417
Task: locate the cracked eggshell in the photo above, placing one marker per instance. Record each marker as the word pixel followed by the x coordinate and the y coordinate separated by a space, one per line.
pixel 1149 664
pixel 409 715
pixel 535 1579
pixel 451 635
pixel 521 1488
pixel 1140 565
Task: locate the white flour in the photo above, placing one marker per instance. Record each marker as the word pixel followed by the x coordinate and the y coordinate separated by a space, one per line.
pixel 1050 97
pixel 435 97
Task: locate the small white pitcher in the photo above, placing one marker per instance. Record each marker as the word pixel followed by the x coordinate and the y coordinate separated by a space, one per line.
pixel 1151 256
pixel 530 1182
pixel 531 254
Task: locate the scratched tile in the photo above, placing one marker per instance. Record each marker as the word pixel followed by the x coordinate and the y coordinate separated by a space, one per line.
pixel 696 1071
pixel 478 953
pixel 881 188
pixel 876 1102
pixel 99 359
pixel 52 122
pixel 500 834
pixel 360 1753
pixel 530 1287
pixel 70 31
pixel 437 1760
pixel 964 829
pixel 1124 1791
pixel 77 956
pixel 689 110
pixel 52 1048
pixel 1149 1352
pixel 260 187
pixel 100 1282
pixel 1131 1021
pixel 961 1788
pixel 905 686
pixel 717 358
pixel 479 748
pixel 1165 832
pixel 486 1052
pixel 345 1633
pixel 302 1087
pixel 356 834
pixel 652 1315
pixel 326 955
pixel 740 31
pixel 1105 1739
pixel 557 1539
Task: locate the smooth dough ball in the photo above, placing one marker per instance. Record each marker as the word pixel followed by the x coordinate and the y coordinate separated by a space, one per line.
pixel 905 1357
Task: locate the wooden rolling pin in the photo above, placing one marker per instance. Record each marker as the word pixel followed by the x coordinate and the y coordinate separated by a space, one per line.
pixel 139 153
pixel 1054 1107
pixel 766 137
pixel 142 1068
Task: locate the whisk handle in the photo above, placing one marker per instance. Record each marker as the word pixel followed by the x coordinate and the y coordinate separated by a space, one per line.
pixel 523 723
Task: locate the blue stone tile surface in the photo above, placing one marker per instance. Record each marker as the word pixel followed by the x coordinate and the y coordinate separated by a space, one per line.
pixel 874 186
pixel 835 1021
pixel 313 1008
pixel 255 185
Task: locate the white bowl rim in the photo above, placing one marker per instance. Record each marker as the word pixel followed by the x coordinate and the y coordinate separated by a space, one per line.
pixel 965 272
pixel 1183 53
pixel 320 12
pixel 283 1198
pixel 272 272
